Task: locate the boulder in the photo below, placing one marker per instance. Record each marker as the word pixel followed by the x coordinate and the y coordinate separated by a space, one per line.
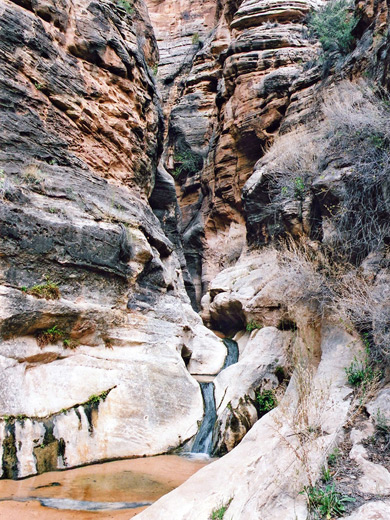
pixel 371 511
pixel 264 358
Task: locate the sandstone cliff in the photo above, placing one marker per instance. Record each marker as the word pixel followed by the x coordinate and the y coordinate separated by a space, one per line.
pixel 150 148
pixel 93 371
pixel 225 92
pixel 320 195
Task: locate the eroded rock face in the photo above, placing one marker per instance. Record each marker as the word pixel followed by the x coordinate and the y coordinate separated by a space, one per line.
pixel 371 511
pixel 227 100
pixel 275 310
pixel 267 293
pixel 79 67
pixel 262 476
pixel 263 90
pixel 229 93
pixel 80 139
pixel 379 409
pixel 374 478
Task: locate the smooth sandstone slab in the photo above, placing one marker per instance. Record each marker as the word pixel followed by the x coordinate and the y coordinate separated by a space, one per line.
pixel 371 511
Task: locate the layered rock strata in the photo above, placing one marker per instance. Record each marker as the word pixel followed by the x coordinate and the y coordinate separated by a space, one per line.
pixel 95 369
pixel 287 448
pixel 234 93
pixel 330 131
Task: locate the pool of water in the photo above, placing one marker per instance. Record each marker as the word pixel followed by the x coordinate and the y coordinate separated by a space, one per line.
pixel 113 490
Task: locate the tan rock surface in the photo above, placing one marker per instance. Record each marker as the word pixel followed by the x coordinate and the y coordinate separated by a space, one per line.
pixel 371 511
pixel 80 135
pixel 262 476
pixel 236 386
pixel 224 104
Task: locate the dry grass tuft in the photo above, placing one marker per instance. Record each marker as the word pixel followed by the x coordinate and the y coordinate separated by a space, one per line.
pixel 338 290
pixel 303 268
pixel 340 165
pixel 366 307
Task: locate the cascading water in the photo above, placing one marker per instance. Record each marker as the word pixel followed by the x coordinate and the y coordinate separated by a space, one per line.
pixel 204 440
pixel 232 355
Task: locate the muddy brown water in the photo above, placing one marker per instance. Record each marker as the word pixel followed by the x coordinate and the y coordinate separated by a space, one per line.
pixel 114 490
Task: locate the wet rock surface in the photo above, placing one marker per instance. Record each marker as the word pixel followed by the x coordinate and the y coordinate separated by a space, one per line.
pixel 107 491
pixel 237 387
pixel 105 216
pixel 262 475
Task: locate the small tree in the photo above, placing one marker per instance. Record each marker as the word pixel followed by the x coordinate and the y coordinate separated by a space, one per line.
pixel 333 25
pixel 187 162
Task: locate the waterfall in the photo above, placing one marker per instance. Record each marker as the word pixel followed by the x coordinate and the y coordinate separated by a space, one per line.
pixel 232 355
pixel 204 440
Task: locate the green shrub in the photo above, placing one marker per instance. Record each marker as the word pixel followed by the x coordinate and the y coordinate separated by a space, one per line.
pixel 326 502
pixel 332 457
pixel 127 6
pixel 70 343
pixel 96 398
pixel 266 401
pixel 49 336
pixel 218 514
pixel 48 290
pixel 333 25
pixel 326 475
pixel 359 373
pixel 187 163
pixel 299 188
pixel 295 188
pixel 195 39
pixel 252 325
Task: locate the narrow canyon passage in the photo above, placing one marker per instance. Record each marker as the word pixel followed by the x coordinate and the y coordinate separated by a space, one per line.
pixel 194 259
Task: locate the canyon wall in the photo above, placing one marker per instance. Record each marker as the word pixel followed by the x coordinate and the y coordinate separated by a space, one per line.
pixel 95 321
pixel 224 103
pixel 161 156
pixel 297 160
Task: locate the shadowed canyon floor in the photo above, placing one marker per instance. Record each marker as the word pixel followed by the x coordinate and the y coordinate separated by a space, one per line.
pixel 104 486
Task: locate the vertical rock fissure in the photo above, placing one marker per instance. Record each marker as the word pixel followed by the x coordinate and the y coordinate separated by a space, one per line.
pixel 10 461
